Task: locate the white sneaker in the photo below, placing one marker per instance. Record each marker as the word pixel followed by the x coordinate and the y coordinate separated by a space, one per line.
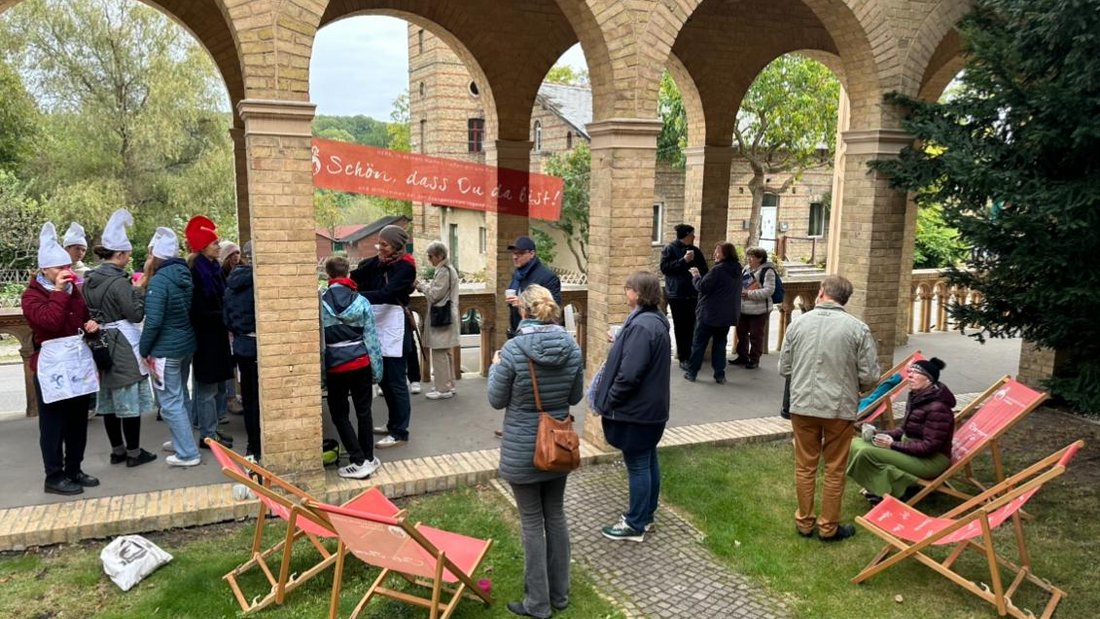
pixel 359 471
pixel 167 446
pixel 414 388
pixel 378 391
pixel 174 460
pixel 389 441
pixel 439 395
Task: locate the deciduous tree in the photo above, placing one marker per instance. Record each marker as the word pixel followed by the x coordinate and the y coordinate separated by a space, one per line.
pixel 575 169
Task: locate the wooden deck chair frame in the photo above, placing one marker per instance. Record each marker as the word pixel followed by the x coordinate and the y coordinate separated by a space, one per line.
pixel 438 608
pixel 277 491
pixel 883 405
pixel 962 468
pixel 978 509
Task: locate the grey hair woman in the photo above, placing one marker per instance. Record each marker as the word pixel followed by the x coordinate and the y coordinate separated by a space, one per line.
pixel 441 295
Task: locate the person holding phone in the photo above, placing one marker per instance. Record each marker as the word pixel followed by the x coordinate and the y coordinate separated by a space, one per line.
pixel 677 260
pixel 54 308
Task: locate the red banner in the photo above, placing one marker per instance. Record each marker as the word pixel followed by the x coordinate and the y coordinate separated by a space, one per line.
pixel 406 176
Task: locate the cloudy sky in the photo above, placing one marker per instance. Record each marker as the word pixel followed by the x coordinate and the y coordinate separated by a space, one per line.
pixel 361 64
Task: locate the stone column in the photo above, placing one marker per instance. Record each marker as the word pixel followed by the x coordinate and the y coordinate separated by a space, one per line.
pixel 1039 364
pixel 240 163
pixel 280 186
pixel 843 121
pixel 503 228
pixel 872 234
pixel 707 193
pixel 624 157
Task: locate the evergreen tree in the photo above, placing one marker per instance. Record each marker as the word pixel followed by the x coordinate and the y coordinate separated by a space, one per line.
pixel 1014 159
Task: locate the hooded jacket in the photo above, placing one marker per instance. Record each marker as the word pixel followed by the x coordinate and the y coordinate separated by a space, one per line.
pixel 759 301
pixel 351 339
pixel 929 424
pixel 635 387
pixel 168 332
pixel 560 374
pixel 239 311
pixel 110 297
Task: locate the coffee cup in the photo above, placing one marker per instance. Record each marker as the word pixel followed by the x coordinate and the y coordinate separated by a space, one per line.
pixel 509 293
pixel 868 432
pixel 614 330
pixel 882 437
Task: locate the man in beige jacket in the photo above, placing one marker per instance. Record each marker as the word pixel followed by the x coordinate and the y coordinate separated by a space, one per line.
pixel 830 357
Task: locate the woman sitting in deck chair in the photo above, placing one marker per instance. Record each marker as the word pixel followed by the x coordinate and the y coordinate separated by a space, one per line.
pixel 920 448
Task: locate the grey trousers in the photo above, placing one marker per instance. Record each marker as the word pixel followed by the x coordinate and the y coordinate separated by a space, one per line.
pixel 545 545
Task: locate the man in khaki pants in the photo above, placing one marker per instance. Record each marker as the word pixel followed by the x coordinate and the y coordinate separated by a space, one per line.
pixel 829 357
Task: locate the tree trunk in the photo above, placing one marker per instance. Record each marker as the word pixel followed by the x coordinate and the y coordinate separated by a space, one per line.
pixel 756 187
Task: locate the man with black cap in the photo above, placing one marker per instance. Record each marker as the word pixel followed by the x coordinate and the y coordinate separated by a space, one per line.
pixel 677 260
pixel 529 270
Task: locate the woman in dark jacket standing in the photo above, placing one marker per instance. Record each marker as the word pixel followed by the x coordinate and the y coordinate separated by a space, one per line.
pixel 119 307
pixel 918 449
pixel 633 399
pixel 718 310
pixel 540 495
pixel 54 308
pixel 240 319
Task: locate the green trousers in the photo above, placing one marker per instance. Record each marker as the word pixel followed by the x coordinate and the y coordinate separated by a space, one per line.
pixel 888 472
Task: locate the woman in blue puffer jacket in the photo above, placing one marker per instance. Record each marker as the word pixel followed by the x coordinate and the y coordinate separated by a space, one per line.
pixel 540 495
pixel 168 340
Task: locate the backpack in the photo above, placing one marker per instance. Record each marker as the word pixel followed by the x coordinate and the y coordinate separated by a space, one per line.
pixel 777 295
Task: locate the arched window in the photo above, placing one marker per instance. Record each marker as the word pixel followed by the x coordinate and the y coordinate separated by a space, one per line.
pixel 538 136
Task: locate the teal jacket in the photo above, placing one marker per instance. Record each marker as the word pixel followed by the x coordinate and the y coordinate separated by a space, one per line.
pixel 345 314
pixel 168 332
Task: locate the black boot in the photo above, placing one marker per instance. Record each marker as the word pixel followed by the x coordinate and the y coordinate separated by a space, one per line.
pixel 84 479
pixel 63 486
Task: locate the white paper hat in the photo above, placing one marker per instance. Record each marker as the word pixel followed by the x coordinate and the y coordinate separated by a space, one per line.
pixel 165 244
pixel 75 236
pixel 114 235
pixel 50 252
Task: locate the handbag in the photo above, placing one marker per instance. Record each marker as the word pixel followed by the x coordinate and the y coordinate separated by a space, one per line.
pixel 441 314
pixel 101 352
pixel 557 446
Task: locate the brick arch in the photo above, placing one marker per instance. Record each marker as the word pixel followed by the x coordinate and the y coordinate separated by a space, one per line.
pixel 209 23
pixel 693 103
pixel 589 33
pixel 936 44
pixel 946 62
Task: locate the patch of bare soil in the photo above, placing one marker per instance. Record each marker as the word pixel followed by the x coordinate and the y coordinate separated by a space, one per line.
pixel 1047 430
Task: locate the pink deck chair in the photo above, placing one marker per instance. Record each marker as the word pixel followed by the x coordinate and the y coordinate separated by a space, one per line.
pixel 978 428
pixel 284 500
pixel 885 402
pixel 439 560
pixel 908 533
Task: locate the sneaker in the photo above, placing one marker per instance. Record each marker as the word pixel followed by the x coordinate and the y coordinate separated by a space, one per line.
pixel 235 406
pixel 390 441
pixel 685 366
pixel 381 430
pixel 414 388
pixel 143 457
pixel 173 460
pixel 223 421
pixel 752 365
pixel 843 532
pixel 648 527
pixel 359 471
pixel 224 438
pixel 118 458
pixel 622 531
pixel 218 439
pixel 167 446
pixel 377 391
pixel 689 377
pixel 439 395
pixel 739 361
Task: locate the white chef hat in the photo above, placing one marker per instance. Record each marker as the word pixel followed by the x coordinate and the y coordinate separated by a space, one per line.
pixel 75 236
pixel 50 252
pixel 114 235
pixel 165 244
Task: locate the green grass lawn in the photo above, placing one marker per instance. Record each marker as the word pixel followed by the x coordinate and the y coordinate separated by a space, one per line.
pixel 743 500
pixel 69 582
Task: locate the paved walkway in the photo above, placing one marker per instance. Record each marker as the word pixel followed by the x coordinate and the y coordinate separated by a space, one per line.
pixel 669 576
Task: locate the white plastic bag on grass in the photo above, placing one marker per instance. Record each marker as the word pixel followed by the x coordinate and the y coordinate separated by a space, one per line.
pixel 130 558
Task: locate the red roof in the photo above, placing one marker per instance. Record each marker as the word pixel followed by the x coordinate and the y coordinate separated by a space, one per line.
pixel 341 231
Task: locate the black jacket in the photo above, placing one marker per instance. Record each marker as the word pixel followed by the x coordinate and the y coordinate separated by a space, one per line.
pixel 539 274
pixel 240 311
pixel 719 295
pixel 677 278
pixel 635 387
pixel 213 362
pixel 383 283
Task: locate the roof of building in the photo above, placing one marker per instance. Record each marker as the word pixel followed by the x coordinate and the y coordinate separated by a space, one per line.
pixel 572 103
pixel 341 232
pixel 375 227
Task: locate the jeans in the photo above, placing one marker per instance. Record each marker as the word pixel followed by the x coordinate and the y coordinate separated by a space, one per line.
pixel 546 548
pixel 221 399
pixel 173 407
pixel 250 402
pixel 204 408
pixel 360 446
pixel 62 434
pixel 683 323
pixel 716 335
pixel 396 393
pixel 644 476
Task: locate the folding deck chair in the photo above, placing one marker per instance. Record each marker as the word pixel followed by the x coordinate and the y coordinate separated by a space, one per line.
pixel 439 560
pixel 885 402
pixel 284 500
pixel 979 427
pixel 908 533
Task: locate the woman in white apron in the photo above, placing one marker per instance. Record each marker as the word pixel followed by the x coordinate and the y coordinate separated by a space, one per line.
pixel 119 307
pixel 64 371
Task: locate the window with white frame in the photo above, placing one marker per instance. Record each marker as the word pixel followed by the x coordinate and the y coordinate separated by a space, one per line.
pixel 658 223
pixel 483 240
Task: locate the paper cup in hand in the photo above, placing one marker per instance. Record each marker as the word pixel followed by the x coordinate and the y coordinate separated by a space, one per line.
pixel 509 293
pixel 868 432
pixel 614 330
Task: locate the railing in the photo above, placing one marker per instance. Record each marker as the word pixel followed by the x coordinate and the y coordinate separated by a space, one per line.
pixel 802 248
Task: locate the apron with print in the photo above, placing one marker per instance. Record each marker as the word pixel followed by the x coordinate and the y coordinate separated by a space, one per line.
pixel 66 369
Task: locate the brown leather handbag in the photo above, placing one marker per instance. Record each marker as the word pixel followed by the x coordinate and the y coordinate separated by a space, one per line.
pixel 557 446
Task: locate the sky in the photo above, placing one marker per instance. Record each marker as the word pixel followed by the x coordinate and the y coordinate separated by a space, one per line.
pixel 361 64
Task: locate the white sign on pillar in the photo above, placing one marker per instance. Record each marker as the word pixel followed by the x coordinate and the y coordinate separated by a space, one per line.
pixel 767 228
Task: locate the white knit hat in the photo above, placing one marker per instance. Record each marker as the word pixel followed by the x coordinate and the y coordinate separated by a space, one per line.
pixel 75 236
pixel 165 244
pixel 50 252
pixel 114 235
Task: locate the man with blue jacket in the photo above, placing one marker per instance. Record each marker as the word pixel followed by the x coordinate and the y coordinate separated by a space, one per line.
pixel 677 260
pixel 529 270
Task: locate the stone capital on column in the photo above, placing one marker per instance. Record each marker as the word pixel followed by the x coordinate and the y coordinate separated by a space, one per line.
pixel 512 150
pixel 630 133
pixel 879 142
pixel 699 155
pixel 280 118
